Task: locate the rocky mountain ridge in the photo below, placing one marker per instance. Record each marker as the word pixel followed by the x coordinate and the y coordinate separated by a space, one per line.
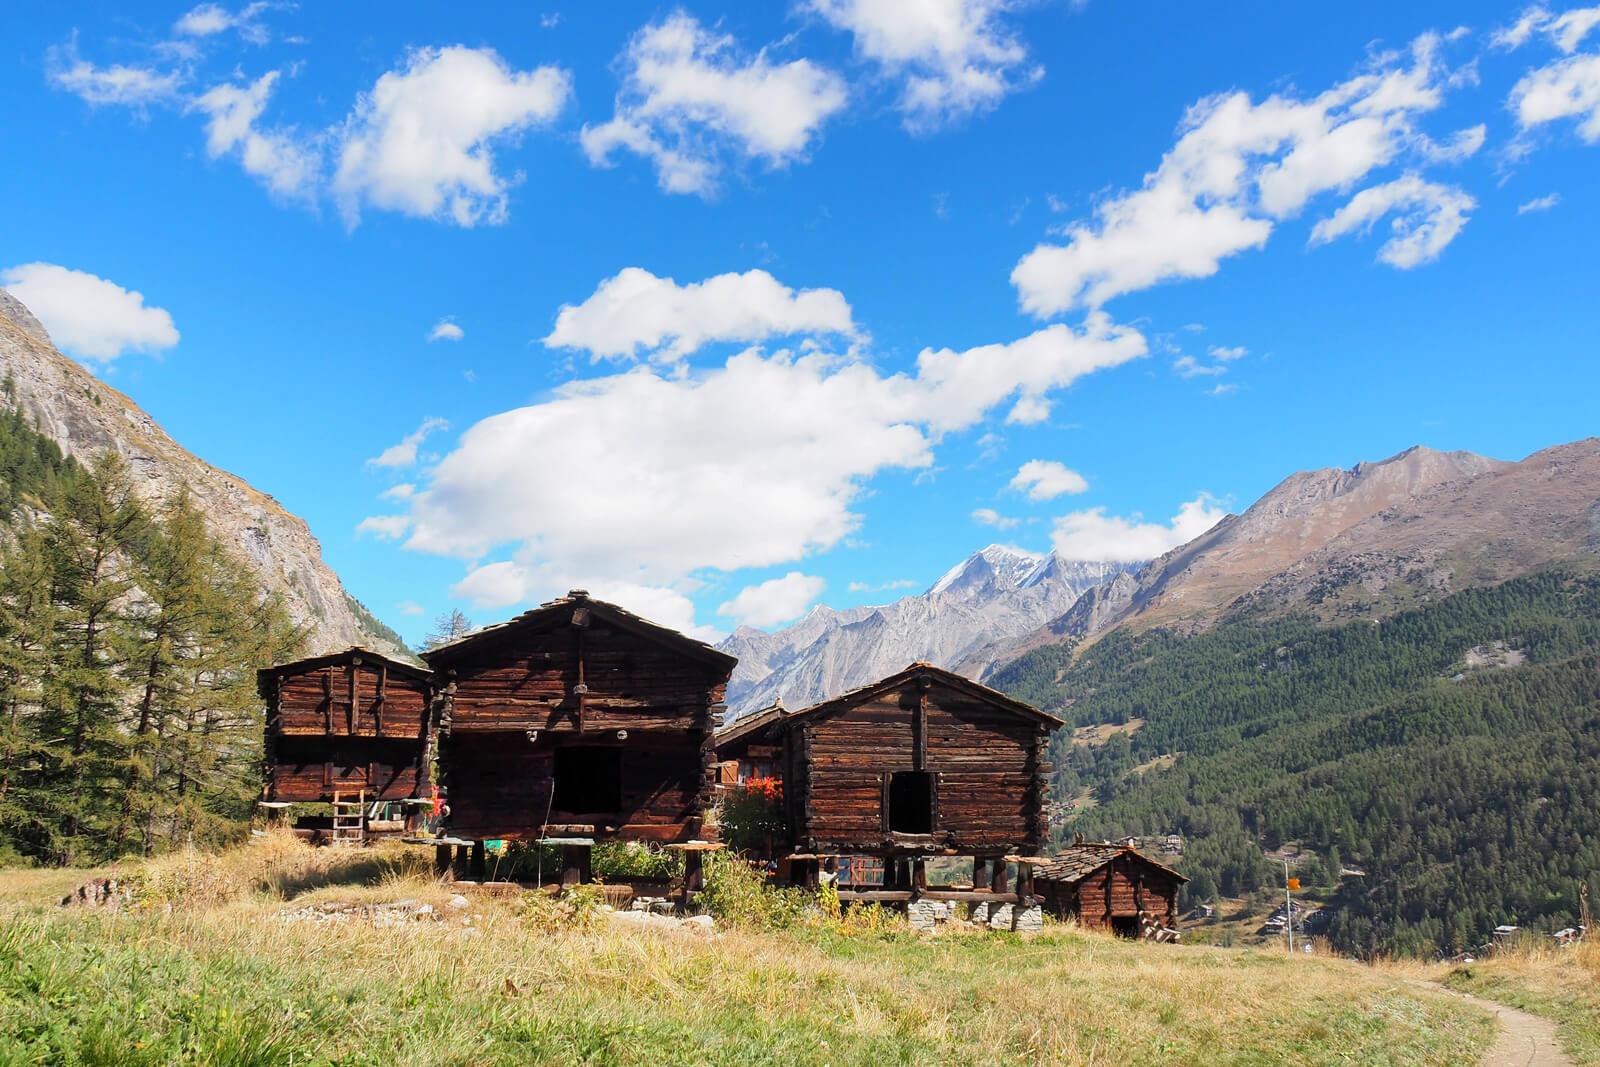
pixel 1340 543
pixel 85 417
pixel 964 622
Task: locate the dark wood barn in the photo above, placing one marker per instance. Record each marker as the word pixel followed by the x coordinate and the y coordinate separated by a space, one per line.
pixel 579 722
pixel 1110 887
pixel 353 727
pixel 922 763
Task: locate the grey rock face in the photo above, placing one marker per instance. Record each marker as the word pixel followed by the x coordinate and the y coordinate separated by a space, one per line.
pixel 85 417
pixel 965 622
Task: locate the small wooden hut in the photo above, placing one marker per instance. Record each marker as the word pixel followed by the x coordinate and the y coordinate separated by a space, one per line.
pixel 921 763
pixel 350 728
pixel 1110 887
pixel 579 722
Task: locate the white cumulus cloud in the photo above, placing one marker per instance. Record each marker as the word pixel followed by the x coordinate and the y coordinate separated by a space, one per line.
pixel 1237 170
pixel 991 517
pixel 420 142
pixel 1428 216
pixel 286 162
pixel 637 310
pixel 446 330
pixel 1540 203
pixel 1566 31
pixel 1095 537
pixel 121 85
pixel 955 57
pixel 691 97
pixel 409 607
pixel 1566 89
pixel 89 316
pixel 404 454
pixel 774 601
pixel 1046 479
pixel 207 20
pixel 666 473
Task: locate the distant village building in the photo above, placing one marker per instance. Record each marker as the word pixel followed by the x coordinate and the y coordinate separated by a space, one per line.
pixel 1110 887
pixel 921 763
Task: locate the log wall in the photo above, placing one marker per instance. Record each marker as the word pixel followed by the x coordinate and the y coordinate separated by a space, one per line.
pixel 336 724
pixel 1126 888
pixel 573 676
pixel 502 786
pixel 983 759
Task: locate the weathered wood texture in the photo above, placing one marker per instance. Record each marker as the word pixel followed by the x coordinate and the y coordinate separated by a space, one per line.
pixel 318 703
pixel 309 770
pixel 580 674
pixel 501 785
pixel 980 751
pixel 351 720
pixel 1128 887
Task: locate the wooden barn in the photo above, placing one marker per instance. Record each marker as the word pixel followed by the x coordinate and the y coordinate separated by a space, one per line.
pixel 350 728
pixel 575 723
pixel 1110 887
pixel 920 764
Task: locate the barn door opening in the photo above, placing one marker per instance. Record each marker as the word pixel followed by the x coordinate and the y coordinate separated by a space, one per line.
pixel 1125 926
pixel 588 779
pixel 911 802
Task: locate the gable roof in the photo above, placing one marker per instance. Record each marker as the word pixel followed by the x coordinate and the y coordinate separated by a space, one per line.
pixel 1076 862
pixel 778 713
pixel 266 675
pixel 562 610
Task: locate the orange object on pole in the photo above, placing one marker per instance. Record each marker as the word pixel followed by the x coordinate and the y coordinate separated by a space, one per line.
pixel 1294 885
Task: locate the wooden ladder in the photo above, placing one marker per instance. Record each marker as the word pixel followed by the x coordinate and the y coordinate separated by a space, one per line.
pixel 349 822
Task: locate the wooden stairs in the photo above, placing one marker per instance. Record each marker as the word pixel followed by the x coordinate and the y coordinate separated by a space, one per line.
pixel 349 817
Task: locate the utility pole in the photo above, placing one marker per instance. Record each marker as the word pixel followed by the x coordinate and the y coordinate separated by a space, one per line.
pixel 1288 905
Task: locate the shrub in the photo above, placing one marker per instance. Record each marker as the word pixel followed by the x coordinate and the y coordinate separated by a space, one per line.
pixel 580 907
pixel 752 814
pixel 740 894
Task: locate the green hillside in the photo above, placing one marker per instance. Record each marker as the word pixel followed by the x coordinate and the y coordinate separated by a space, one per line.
pixel 1466 786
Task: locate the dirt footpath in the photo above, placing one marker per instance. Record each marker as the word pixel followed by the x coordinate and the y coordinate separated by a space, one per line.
pixel 1525 1040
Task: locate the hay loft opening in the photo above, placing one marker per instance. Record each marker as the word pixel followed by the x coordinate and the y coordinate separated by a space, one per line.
pixel 911 802
pixel 588 779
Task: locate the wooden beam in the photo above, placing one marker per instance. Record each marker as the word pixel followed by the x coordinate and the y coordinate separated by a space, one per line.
pixel 479 867
pixel 353 716
pixel 377 705
pixel 575 861
pixel 998 879
pixel 327 699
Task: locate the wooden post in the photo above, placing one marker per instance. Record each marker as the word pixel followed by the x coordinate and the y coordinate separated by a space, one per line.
pixel 980 872
pixel 919 877
pixel 813 870
pixel 1024 885
pixel 574 864
pixel 694 878
pixel 441 863
pixel 998 880
pixel 480 865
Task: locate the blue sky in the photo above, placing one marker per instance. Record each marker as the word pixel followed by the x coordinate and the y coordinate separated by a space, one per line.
pixel 721 312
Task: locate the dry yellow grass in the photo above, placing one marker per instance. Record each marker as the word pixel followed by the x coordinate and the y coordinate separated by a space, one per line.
pixel 498 991
pixel 1560 983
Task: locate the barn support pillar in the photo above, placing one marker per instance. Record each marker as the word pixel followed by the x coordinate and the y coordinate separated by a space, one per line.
pixel 575 864
pixel 1025 885
pixel 694 878
pixel 442 862
pixel 479 867
pixel 997 882
pixel 919 877
pixel 980 872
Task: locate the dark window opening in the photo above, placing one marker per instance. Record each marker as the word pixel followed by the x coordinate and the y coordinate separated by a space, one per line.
pixel 911 802
pixel 1126 926
pixel 588 779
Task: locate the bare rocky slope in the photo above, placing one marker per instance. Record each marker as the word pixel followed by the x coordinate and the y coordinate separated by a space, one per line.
pixel 85 417
pixel 968 619
pixel 1343 543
